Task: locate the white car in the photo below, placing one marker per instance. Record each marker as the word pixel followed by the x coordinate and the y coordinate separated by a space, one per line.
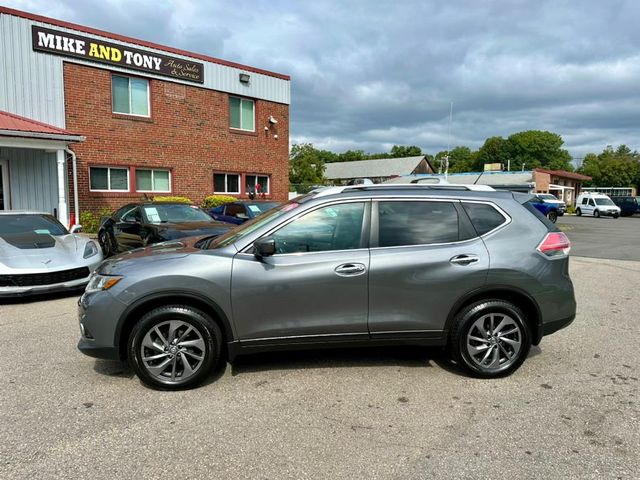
pixel 596 204
pixel 39 255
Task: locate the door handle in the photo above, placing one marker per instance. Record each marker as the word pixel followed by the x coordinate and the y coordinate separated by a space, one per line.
pixel 464 259
pixel 350 269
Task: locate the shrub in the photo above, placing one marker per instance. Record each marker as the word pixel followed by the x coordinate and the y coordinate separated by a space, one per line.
pixel 90 221
pixel 213 201
pixel 172 199
pixel 571 209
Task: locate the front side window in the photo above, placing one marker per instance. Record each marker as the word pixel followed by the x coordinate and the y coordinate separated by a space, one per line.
pixel 130 95
pixel 257 183
pixel 153 180
pixel 336 227
pixel 226 183
pixel 241 113
pixel 109 179
pixel 417 223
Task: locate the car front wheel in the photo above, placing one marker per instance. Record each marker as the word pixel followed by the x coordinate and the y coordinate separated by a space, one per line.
pixel 578 212
pixel 174 347
pixel 104 239
pixel 596 213
pixel 490 338
pixel 552 216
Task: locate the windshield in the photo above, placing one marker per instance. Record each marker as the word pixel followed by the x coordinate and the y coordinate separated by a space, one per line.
pixel 172 213
pixel 603 201
pixel 246 228
pixel 25 223
pixel 260 208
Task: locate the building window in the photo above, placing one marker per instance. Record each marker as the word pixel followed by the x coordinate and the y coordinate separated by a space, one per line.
pixel 226 183
pixel 242 113
pixel 153 180
pixel 257 183
pixel 130 95
pixel 109 179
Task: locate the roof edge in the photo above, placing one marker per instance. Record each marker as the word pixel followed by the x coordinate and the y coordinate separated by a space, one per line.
pixel 144 43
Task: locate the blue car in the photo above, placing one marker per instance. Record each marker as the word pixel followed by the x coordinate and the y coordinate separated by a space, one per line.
pixel 549 206
pixel 239 212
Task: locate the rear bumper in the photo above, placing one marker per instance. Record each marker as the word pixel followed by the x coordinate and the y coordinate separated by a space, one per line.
pixel 552 327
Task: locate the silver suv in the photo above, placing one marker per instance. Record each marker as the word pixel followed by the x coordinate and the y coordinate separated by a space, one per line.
pixel 482 273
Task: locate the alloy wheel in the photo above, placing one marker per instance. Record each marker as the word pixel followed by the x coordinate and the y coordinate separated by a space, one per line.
pixel 172 351
pixel 494 341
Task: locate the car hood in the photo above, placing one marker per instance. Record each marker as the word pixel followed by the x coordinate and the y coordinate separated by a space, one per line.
pixel 40 251
pixel 554 202
pixel 158 252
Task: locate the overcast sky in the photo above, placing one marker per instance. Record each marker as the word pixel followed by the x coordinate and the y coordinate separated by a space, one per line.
pixel 371 74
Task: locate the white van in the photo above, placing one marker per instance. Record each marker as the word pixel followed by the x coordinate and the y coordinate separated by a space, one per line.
pixel 596 204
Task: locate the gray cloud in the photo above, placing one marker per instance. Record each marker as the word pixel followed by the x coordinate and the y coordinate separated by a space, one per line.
pixel 369 75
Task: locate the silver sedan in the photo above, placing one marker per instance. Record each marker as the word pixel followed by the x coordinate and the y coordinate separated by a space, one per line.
pixel 38 255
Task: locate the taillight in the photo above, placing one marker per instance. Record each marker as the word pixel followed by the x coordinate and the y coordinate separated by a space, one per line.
pixel 555 244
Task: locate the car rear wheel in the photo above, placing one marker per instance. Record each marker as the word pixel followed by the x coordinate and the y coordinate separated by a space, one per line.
pixel 596 213
pixel 174 347
pixel 104 239
pixel 490 338
pixel 578 212
pixel 552 216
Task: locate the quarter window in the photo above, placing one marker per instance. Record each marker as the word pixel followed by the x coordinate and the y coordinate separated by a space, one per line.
pixel 242 113
pixel 483 217
pixel 226 183
pixel 109 179
pixel 130 95
pixel 417 223
pixel 153 180
pixel 257 183
pixel 336 227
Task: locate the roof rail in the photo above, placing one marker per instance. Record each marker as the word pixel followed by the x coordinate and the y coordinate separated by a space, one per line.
pixel 323 192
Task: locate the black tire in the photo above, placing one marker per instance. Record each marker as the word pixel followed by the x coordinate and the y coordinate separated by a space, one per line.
pixel 596 213
pixel 615 215
pixel 464 322
pixel 578 212
pixel 552 216
pixel 203 328
pixel 104 239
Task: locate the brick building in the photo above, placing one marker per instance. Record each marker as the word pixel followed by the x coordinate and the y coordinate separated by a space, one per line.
pixel 122 119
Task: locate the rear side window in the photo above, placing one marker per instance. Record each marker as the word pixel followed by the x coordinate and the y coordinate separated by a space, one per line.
pixel 483 217
pixel 536 213
pixel 417 223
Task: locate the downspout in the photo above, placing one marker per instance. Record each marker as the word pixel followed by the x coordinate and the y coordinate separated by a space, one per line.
pixel 75 185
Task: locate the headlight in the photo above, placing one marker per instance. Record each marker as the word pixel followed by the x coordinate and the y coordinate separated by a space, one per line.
pixel 101 282
pixel 90 249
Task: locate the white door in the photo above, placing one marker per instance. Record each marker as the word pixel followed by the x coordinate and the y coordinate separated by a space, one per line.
pixel 4 185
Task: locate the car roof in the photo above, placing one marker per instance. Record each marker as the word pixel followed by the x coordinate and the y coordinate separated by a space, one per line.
pixel 411 190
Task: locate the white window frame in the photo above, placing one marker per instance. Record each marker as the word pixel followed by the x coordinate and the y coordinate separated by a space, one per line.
pixel 254 114
pixel 109 189
pixel 268 191
pixel 152 170
pixel 129 90
pixel 226 183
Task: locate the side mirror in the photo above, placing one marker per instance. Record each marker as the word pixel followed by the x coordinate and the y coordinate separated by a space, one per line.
pixel 76 229
pixel 264 247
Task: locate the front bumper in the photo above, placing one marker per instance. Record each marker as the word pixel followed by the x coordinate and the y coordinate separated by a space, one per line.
pixel 609 213
pixel 8 292
pixel 98 315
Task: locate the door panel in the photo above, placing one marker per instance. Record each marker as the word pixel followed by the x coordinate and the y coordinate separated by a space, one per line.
pixel 128 230
pixel 297 295
pixel 415 288
pixel 315 285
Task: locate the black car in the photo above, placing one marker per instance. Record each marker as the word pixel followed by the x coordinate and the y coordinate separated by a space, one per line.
pixel 628 205
pixel 239 212
pixel 139 224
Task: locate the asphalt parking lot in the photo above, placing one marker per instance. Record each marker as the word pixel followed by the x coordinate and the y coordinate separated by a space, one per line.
pixel 617 238
pixel 572 410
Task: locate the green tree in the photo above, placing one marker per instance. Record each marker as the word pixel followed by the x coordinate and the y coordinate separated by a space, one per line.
pixel 306 165
pixel 535 148
pixel 494 150
pixel 351 156
pixel 398 151
pixel 613 168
